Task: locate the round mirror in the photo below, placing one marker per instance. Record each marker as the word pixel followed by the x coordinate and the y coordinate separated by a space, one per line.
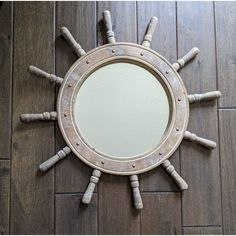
pixel 122 110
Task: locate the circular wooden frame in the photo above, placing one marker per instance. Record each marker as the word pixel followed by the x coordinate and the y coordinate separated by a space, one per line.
pixel 168 77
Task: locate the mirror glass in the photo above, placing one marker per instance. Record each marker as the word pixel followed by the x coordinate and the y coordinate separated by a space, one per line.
pixel 122 110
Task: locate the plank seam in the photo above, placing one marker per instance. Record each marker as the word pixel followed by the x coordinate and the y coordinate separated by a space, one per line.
pixel 12 88
pixel 218 119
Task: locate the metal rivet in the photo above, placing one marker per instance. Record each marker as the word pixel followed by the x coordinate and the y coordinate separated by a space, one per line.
pixel 179 99
pixel 160 153
pixel 113 50
pixel 69 85
pixel 167 72
pixel 141 54
pixel 177 129
pixel 102 162
pixel 133 165
pixel 87 62
pixel 77 144
pixel 65 114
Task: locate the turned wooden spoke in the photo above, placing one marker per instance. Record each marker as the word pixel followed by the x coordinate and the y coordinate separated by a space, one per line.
pixel 174 174
pixel 51 77
pixel 138 203
pixel 45 116
pixel 189 56
pixel 192 98
pixel 201 141
pixel 90 189
pixel 150 30
pixel 70 39
pixel 108 24
pixel 53 160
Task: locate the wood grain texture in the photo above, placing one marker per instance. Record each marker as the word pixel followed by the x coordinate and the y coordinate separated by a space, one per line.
pixel 73 217
pixel 6 39
pixel 116 209
pixel 80 18
pixel 164 42
pixel 161 214
pixel 4 196
pixel 201 204
pixel 225 20
pixel 164 37
pixel 228 165
pixel 123 15
pixel 207 230
pixel 116 212
pixel 32 200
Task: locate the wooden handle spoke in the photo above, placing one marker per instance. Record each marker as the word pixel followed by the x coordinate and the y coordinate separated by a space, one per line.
pixel 201 141
pixel 90 189
pixel 51 77
pixel 136 193
pixel 70 39
pixel 53 160
pixel 108 24
pixel 150 30
pixel 189 56
pixel 174 174
pixel 192 98
pixel 45 116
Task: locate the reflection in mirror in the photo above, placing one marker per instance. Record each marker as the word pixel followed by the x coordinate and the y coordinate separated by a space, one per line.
pixel 122 110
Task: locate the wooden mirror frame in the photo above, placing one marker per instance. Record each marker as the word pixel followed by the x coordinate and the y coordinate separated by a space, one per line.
pixel 160 68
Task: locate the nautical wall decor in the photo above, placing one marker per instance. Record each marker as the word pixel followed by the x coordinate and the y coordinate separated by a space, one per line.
pixel 122 109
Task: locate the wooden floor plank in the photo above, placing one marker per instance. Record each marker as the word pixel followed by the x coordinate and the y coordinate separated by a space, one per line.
pixel 116 211
pixel 117 214
pixel 225 20
pixel 207 230
pixel 123 20
pixel 161 214
pixel 164 42
pixel 80 18
pixel 6 39
pixel 201 204
pixel 4 195
pixel 228 166
pixel 74 217
pixel 32 200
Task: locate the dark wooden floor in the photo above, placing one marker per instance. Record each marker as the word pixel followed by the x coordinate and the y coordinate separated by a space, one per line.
pixel 34 203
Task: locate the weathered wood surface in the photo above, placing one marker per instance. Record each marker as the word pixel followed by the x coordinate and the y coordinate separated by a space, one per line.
pixel 123 21
pixel 207 230
pixel 201 204
pixel 225 20
pixel 73 217
pixel 32 200
pixel 6 40
pixel 61 154
pixel 94 179
pixel 228 165
pixel 80 18
pixel 161 214
pixel 115 198
pixel 116 210
pixel 164 42
pixel 43 74
pixel 4 195
pixel 190 55
pixel 170 169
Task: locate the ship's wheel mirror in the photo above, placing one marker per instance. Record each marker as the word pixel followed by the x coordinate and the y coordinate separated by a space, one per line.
pixel 122 109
